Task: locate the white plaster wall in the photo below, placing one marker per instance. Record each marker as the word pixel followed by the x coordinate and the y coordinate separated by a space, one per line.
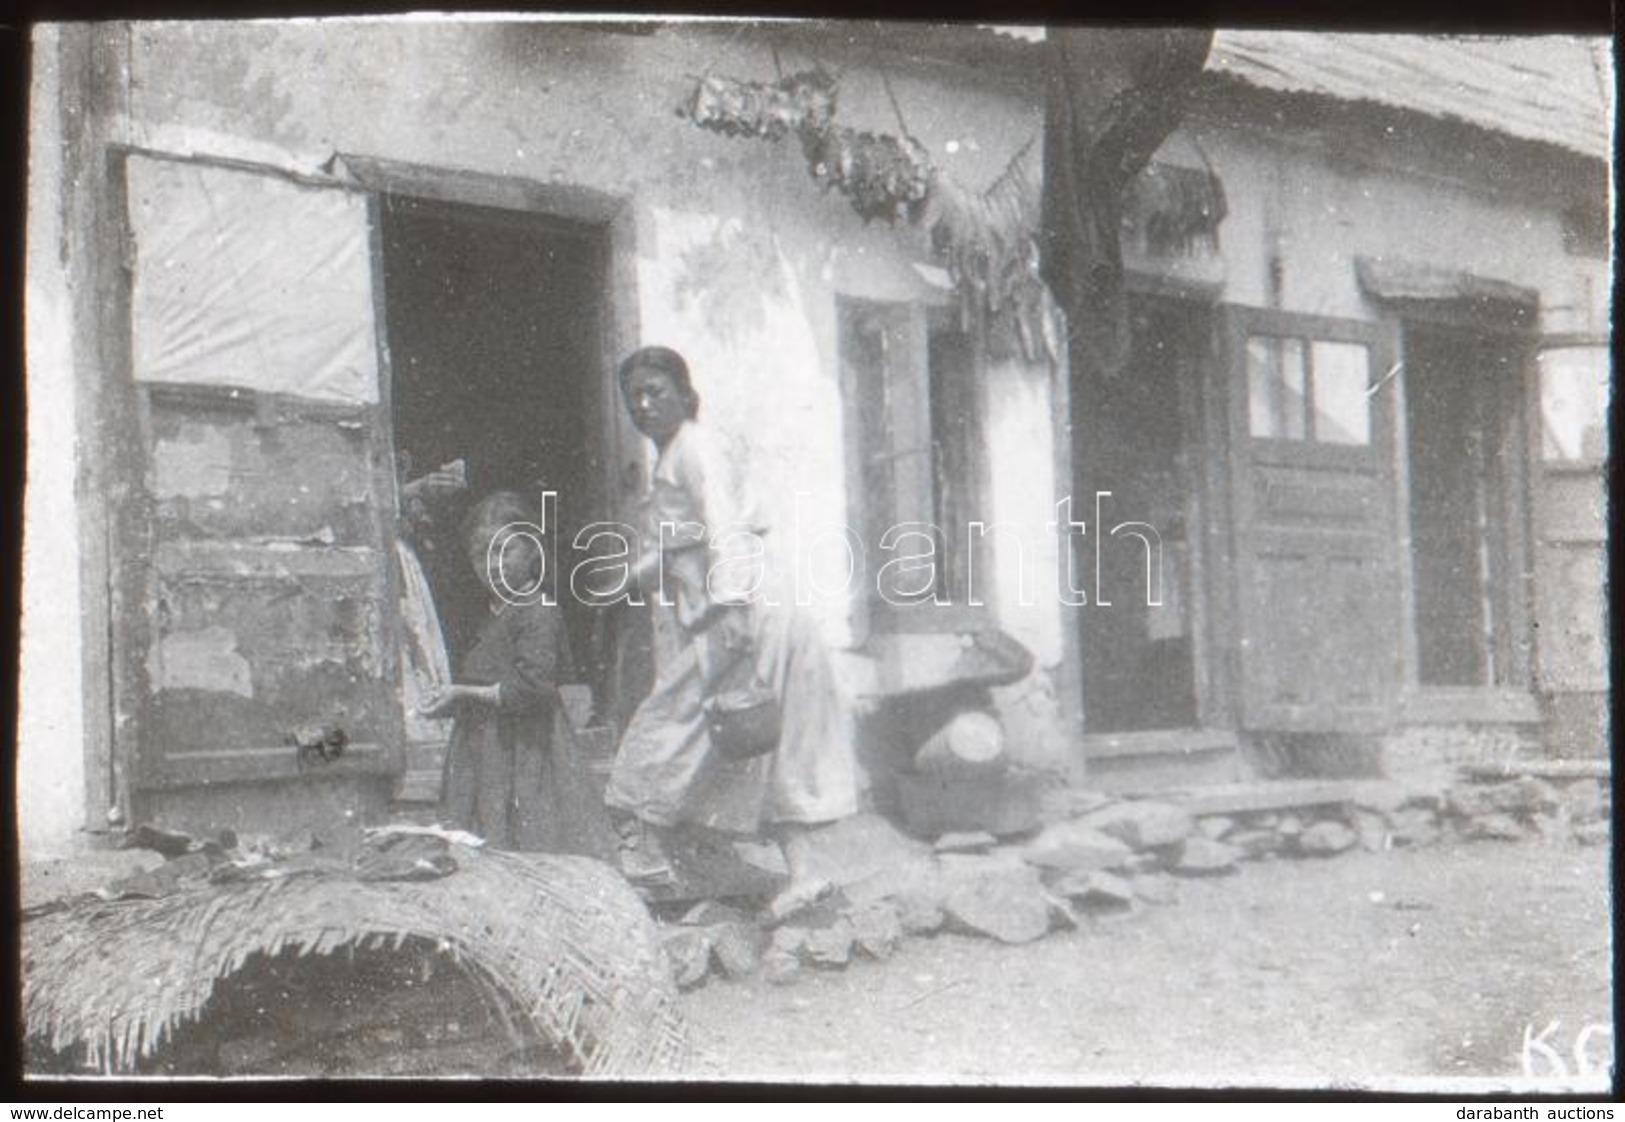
pixel 562 106
pixel 50 723
pixel 740 255
pixel 1317 213
pixel 1018 421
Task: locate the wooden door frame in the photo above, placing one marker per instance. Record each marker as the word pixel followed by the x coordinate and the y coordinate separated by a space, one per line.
pixel 624 452
pixel 1201 406
pixel 138 773
pixel 1518 435
pixel 118 696
pixel 612 215
pixel 108 466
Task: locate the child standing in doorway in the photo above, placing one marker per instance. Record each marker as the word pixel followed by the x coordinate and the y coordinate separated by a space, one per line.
pixel 513 772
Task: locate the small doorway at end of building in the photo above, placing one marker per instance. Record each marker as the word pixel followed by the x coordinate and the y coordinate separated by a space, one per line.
pixel 494 320
pixel 1134 439
pixel 1465 435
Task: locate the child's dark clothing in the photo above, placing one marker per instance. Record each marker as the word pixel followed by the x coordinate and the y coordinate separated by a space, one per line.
pixel 513 771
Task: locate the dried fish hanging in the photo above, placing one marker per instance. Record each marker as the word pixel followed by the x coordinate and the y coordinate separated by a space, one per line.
pixel 1176 210
pixel 988 239
pixel 803 102
pixel 989 242
pixel 882 176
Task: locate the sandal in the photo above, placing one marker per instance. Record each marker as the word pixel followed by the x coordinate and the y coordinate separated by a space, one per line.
pixel 642 859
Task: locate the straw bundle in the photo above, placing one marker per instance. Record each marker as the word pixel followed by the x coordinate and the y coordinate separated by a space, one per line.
pixel 563 938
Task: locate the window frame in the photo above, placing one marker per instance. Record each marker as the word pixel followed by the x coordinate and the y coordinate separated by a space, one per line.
pixel 872 410
pixel 1242 322
pixel 1582 465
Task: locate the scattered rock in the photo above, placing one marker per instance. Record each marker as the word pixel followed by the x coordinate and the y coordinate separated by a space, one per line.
pixel 966 841
pixel 829 946
pixel 1584 800
pixel 1215 826
pixel 709 913
pixel 877 930
pixel 1523 796
pixel 1007 904
pixel 1202 856
pixel 688 949
pixel 1156 888
pixel 919 913
pixel 918 876
pixel 1061 913
pixel 763 856
pixel 1593 833
pixel 1061 803
pixel 1073 845
pixel 1554 828
pixel 1142 825
pixel 863 848
pixel 1371 828
pixel 1501 827
pixel 1414 826
pixel 954 866
pixel 1254 845
pixel 1324 839
pixel 780 968
pixel 787 940
pixel 1289 826
pixel 1152 860
pixel 737 947
pixel 1108 888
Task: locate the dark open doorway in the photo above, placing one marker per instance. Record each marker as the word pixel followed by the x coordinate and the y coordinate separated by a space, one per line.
pixel 1132 438
pixel 1462 390
pixel 494 324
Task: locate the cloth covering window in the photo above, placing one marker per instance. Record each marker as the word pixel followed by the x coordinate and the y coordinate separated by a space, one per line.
pixel 251 280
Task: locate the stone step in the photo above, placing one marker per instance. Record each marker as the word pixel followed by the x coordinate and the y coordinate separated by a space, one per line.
pixel 1291 794
pixel 1491 771
pixel 1149 770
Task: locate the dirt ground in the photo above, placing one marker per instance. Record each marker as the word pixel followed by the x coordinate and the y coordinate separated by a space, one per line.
pixel 1367 968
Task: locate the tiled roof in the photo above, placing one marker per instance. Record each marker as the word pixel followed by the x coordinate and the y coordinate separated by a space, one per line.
pixel 1557 90
pixel 1547 88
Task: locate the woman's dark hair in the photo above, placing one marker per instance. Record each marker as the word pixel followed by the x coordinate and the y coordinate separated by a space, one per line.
pixel 663 360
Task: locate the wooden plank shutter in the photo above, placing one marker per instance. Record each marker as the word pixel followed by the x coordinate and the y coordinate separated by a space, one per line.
pixel 263 548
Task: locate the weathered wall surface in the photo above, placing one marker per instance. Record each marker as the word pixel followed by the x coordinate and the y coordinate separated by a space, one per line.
pixel 738 255
pixel 50 725
pixel 738 260
pixel 1314 205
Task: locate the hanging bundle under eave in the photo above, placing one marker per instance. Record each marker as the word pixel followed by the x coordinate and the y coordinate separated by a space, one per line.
pixel 1175 211
pixel 989 241
pixel 1113 98
pixel 800 103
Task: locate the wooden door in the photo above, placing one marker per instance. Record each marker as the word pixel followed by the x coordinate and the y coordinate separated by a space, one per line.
pixel 260 611
pixel 1571 390
pixel 1320 618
